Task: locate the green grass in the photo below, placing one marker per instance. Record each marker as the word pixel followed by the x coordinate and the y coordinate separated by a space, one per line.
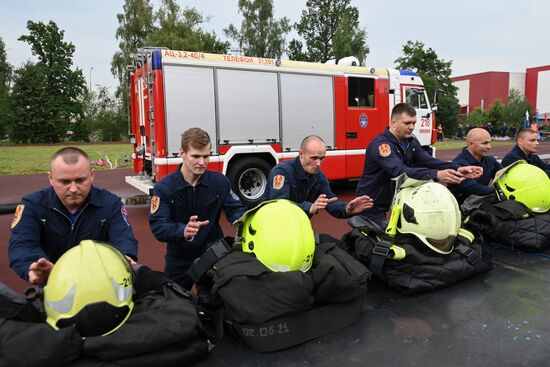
pixel 457 144
pixel 27 159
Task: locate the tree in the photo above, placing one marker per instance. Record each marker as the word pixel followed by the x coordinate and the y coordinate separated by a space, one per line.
pixel 260 34
pixel 58 87
pixel 476 118
pixel 516 107
pixel 105 119
pixel 30 107
pixel 330 30
pixel 179 30
pixel 135 24
pixel 416 58
pixel 348 40
pixel 5 76
pixel 436 75
pixel 168 27
pixel 497 113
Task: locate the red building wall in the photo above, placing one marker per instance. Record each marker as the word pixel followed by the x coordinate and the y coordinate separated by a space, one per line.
pixel 490 86
pixel 531 84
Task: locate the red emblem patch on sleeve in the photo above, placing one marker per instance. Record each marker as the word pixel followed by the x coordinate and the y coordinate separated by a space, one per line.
pixel 155 203
pixel 384 150
pixel 278 182
pixel 18 214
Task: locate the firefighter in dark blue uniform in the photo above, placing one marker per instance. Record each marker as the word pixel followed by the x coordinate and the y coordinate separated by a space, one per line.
pixel 527 145
pixel 186 206
pixel 396 151
pixel 49 222
pixel 301 181
pixel 476 152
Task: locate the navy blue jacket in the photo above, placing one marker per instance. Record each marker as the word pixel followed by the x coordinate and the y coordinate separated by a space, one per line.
pixel 516 154
pixel 302 188
pixel 479 186
pixel 177 202
pixel 45 229
pixel 379 170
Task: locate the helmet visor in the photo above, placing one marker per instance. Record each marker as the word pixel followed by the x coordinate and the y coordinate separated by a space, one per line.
pixel 97 319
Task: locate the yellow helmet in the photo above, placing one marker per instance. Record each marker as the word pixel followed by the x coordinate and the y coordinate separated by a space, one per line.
pixel 91 287
pixel 279 234
pixel 429 212
pixel 525 183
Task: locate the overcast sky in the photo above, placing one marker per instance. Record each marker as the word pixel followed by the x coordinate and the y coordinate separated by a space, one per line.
pixel 477 35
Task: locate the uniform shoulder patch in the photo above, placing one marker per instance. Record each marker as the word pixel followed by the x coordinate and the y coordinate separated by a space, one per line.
pixel 278 182
pixel 155 203
pixel 124 214
pixel 18 214
pixel 384 150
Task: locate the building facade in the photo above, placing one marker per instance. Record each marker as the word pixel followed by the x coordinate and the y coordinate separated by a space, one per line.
pixel 483 89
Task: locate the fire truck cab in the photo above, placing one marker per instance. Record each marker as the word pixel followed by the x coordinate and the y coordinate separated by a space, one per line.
pixel 258 110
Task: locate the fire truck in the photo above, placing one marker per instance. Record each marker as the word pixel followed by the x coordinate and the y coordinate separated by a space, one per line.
pixel 258 110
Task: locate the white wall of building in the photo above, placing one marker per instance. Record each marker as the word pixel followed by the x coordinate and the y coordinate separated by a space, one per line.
pixel 517 81
pixel 463 93
pixel 543 92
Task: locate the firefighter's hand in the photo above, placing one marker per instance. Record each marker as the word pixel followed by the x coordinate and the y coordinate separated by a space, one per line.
pixel 321 203
pixel 192 228
pixel 358 205
pixel 449 176
pixel 471 171
pixel 39 271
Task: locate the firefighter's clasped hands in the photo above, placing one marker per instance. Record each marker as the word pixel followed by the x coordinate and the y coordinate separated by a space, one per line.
pixel 451 176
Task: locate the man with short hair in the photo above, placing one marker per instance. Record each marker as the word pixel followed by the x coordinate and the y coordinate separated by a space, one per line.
pixel 478 144
pixel 396 151
pixel 301 181
pixel 187 204
pixel 49 222
pixel 527 144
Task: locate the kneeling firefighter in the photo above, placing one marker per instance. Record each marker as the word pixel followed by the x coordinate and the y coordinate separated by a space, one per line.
pixel 98 309
pixel 518 215
pixel 423 248
pixel 274 285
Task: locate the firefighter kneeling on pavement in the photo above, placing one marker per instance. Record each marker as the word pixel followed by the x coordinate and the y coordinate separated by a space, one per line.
pixel 275 285
pixel 424 247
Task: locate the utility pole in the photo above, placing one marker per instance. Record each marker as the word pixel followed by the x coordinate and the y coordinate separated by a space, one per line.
pixel 90 85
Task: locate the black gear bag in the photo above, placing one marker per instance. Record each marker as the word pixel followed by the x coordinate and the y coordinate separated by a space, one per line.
pixel 163 329
pixel 508 222
pixel 269 310
pixel 407 265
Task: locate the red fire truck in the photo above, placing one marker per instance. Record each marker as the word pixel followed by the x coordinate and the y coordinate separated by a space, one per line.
pixel 258 110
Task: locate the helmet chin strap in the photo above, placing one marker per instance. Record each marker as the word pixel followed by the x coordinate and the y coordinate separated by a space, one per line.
pixel 391 229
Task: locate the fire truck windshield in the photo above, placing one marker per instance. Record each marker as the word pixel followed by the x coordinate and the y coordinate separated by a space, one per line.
pixel 416 97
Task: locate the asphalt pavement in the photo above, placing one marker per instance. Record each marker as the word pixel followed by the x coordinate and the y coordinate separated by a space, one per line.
pixel 495 319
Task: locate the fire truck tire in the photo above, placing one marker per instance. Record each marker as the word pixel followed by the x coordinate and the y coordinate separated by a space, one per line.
pixel 248 177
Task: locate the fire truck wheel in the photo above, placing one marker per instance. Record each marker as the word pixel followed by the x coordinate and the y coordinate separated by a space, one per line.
pixel 248 177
